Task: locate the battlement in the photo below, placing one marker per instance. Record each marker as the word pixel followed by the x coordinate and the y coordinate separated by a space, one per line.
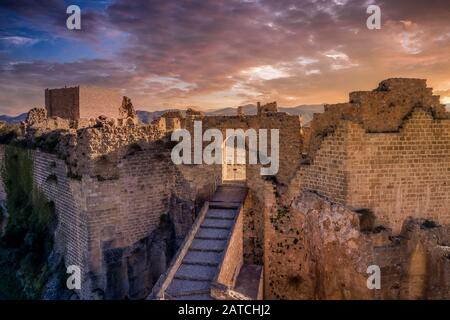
pixel 267 109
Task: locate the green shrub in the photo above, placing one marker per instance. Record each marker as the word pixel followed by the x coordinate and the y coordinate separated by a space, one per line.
pixel 28 240
pixel 9 132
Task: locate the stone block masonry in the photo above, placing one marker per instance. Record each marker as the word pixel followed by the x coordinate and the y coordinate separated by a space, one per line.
pixel 71 236
pixel 401 175
pixel 99 217
pixel 397 168
pixel 82 102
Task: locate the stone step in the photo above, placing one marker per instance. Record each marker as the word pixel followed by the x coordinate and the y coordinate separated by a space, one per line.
pixel 212 233
pixel 221 214
pixel 224 205
pixel 206 250
pixel 181 287
pixel 192 280
pixel 217 223
pixel 196 272
pixel 205 296
pixel 203 257
pixel 208 245
pixel 229 194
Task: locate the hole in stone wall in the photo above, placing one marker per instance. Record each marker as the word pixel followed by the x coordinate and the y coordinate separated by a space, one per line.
pixel 133 148
pixel 295 281
pixel 366 219
pixel 429 224
pixel 52 179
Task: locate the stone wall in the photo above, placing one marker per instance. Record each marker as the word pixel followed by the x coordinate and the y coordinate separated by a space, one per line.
pixel 125 213
pixel 71 236
pixel 96 101
pixel 111 228
pixel 232 261
pixel 90 150
pixel 320 252
pixel 401 175
pixel 291 141
pixel 381 110
pixel 396 174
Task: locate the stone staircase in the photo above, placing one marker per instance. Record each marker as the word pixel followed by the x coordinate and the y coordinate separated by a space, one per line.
pixel 202 256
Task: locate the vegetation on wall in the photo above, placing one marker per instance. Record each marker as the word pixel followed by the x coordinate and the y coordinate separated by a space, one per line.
pixel 8 132
pixel 27 241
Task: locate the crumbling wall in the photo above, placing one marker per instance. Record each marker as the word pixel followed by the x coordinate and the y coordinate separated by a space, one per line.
pixel 253 229
pixel 92 148
pixel 111 228
pixel 266 109
pixel 290 138
pixel 126 213
pixel 328 174
pixel 381 110
pixel 397 174
pixel 401 175
pixel 318 251
pixel 71 235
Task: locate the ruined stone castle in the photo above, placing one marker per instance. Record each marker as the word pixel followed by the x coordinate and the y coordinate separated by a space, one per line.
pixel 366 183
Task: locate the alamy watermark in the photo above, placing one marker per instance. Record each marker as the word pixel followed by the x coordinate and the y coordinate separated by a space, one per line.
pixel 235 145
pixel 374 20
pixel 74 280
pixel 73 22
pixel 374 280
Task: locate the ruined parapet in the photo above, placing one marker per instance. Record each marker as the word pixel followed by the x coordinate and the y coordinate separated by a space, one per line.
pixel 126 109
pixel 387 151
pixel 174 114
pixel 385 108
pixel 267 109
pixel 37 125
pixel 160 123
pixel 95 150
pixel 380 111
pixel 193 113
pixel 35 116
pixel 71 109
pixel 173 120
pixel 172 124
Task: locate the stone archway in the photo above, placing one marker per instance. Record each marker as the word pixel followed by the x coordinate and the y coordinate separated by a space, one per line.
pixel 232 171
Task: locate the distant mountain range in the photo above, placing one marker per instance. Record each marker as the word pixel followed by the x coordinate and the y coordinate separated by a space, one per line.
pixel 14 119
pixel 306 111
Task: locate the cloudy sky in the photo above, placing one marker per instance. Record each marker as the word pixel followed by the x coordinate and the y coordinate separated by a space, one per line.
pixel 220 53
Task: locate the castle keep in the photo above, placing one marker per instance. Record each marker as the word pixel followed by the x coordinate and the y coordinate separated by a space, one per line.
pixel 366 183
pixel 82 102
